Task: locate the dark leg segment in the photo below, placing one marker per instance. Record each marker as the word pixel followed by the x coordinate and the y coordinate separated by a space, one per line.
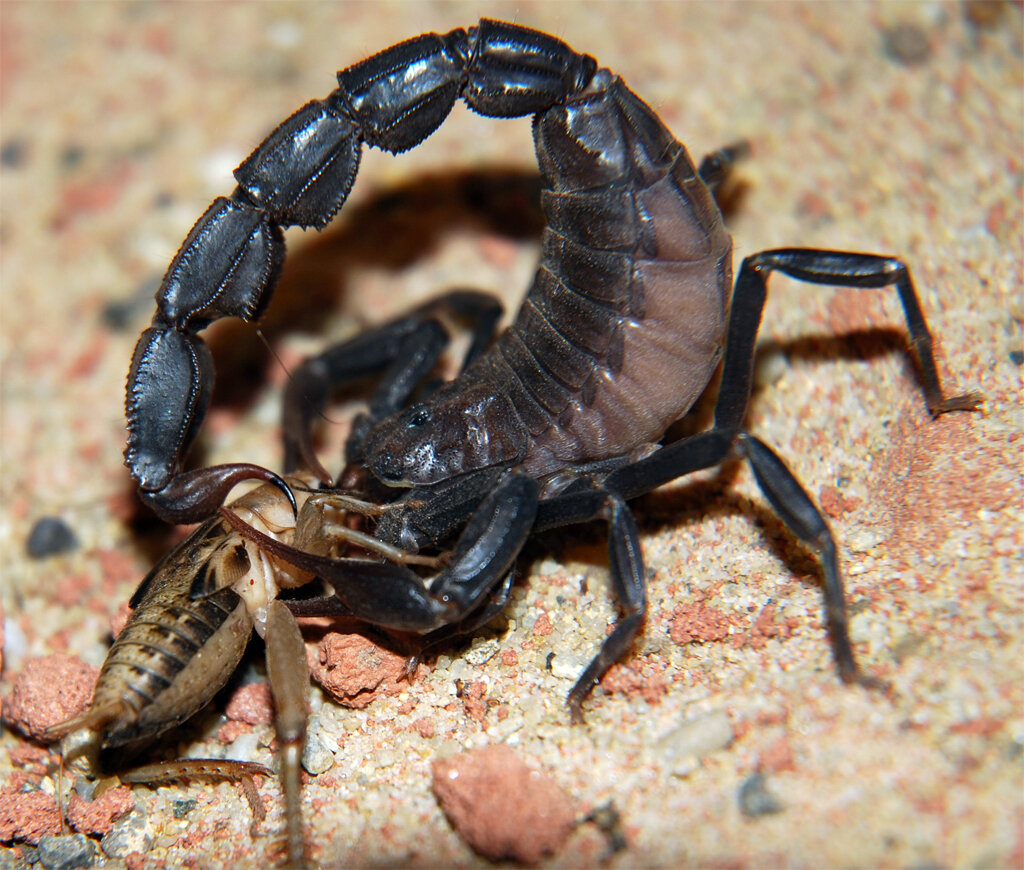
pixel 715 168
pixel 625 556
pixel 404 350
pixel 795 508
pixel 705 450
pixel 837 268
pixel 626 564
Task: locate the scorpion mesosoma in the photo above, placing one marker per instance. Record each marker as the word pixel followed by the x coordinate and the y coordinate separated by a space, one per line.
pixel 556 421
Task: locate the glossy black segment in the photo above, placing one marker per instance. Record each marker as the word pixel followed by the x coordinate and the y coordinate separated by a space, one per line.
pixel 566 361
pixel 169 385
pixel 517 71
pixel 834 268
pixel 226 267
pixel 583 146
pixel 654 148
pixel 192 496
pixel 490 543
pixel 602 220
pixel 716 166
pixel 796 509
pixel 435 513
pixel 403 94
pixel 534 376
pixel 601 276
pixel 302 173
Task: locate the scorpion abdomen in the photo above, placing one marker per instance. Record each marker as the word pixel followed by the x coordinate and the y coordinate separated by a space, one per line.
pixel 625 321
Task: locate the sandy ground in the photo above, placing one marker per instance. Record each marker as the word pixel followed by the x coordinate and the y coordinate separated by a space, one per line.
pixel 894 128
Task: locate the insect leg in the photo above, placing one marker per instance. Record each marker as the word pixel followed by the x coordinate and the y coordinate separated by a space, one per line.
pixel 393 596
pixel 289 682
pixel 828 268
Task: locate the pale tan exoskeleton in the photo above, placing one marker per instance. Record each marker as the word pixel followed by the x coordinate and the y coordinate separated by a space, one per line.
pixel 192 618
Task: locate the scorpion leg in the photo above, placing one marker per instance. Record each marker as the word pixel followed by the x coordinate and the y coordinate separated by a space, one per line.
pixel 716 166
pixel 607 500
pixel 626 566
pixel 796 509
pixel 705 450
pixel 405 349
pixel 828 268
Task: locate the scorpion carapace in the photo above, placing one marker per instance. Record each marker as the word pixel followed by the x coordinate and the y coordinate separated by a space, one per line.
pixel 559 419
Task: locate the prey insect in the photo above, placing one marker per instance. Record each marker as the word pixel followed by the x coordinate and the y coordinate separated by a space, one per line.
pixel 557 420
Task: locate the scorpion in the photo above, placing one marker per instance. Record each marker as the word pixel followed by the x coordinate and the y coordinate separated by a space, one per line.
pixel 559 419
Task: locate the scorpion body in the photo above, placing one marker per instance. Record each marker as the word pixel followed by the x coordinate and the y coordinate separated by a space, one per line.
pixel 557 421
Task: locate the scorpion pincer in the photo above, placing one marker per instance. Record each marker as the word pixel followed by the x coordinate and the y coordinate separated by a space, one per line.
pixel 557 420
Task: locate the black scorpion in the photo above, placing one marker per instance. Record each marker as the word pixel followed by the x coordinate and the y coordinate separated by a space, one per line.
pixel 556 421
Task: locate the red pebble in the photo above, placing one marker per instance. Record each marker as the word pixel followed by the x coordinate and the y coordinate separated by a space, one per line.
pixel 355 671
pixel 252 704
pixel 503 808
pixel 27 816
pixel 98 816
pixel 698 623
pixel 48 691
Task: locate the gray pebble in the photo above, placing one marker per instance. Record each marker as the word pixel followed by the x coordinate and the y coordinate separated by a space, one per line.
pixel 50 536
pixel 65 853
pixel 127 835
pixel 181 808
pixel 907 44
pixel 755 798
pixel 316 758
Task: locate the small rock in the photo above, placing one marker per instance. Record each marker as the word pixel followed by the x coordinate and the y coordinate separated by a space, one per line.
pixel 681 748
pixel 251 704
pixel 316 758
pixel 97 817
pixel 755 798
pixel 130 834
pixel 567 666
pixel 27 816
pixel 501 807
pixel 482 652
pixel 48 691
pixel 65 853
pixel 355 671
pixel 181 808
pixel 50 536
pixel 908 44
